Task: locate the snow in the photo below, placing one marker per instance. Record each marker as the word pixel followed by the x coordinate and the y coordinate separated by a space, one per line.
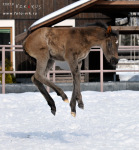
pixel 129 65
pixel 59 12
pixel 110 121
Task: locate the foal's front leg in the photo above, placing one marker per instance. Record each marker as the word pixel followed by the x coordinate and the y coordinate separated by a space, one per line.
pixel 76 95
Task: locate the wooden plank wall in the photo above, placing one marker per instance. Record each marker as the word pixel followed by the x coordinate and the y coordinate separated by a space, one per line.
pixel 25 12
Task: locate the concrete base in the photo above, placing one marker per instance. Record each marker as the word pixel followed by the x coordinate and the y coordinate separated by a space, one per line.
pixel 91 86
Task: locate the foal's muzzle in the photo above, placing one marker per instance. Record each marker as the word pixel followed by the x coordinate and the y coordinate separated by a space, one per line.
pixel 113 61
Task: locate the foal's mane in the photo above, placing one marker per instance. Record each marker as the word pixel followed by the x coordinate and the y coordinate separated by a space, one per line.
pixel 104 26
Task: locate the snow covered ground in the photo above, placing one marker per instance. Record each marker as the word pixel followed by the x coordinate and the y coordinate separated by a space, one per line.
pixel 110 121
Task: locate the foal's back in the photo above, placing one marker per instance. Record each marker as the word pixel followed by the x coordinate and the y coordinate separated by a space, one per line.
pixel 62 42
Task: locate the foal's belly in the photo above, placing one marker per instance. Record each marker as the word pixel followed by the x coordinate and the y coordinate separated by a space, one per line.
pixel 57 55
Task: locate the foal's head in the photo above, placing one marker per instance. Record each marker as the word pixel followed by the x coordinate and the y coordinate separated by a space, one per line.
pixel 108 41
pixel 110 46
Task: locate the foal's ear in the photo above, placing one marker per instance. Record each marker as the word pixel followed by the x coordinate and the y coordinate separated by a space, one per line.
pixel 108 32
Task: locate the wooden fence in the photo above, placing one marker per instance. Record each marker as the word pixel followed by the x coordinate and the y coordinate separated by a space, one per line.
pixel 15 48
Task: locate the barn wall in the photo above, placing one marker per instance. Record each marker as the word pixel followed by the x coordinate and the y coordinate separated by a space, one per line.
pixel 25 12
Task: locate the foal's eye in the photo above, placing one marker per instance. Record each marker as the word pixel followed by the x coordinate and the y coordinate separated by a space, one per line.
pixel 117 42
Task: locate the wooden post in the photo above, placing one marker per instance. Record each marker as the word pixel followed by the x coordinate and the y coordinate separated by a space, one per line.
pixel 3 70
pixel 101 70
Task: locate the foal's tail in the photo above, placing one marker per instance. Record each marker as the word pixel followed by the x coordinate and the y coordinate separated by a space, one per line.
pixel 22 36
pixel 25 51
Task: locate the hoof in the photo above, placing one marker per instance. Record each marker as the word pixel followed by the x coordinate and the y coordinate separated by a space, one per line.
pixel 73 114
pixel 81 106
pixel 53 112
pixel 66 100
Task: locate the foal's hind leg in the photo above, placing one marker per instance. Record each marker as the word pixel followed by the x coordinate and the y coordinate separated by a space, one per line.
pixel 48 98
pixel 43 66
pixel 43 90
pixel 76 95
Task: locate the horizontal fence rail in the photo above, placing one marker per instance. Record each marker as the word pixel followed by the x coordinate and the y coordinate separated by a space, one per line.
pixel 18 48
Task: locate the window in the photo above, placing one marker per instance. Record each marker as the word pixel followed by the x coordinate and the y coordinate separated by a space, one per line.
pixel 5 39
pixel 7 36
